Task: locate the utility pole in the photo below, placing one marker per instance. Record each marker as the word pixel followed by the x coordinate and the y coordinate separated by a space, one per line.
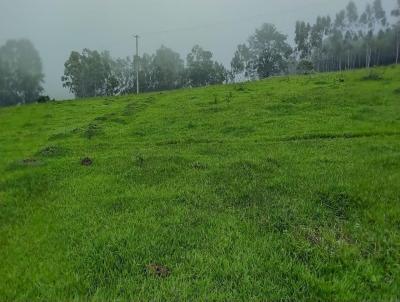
pixel 137 64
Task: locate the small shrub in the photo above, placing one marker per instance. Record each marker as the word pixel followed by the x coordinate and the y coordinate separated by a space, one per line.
pixel 229 97
pixel 240 87
pixel 198 166
pixel 76 130
pixel 101 118
pixel 305 67
pixel 92 130
pixel 130 109
pixel 59 136
pixel 139 161
pixel 340 204
pixel 52 151
pixel 119 121
pixel 373 75
pixel 215 99
pixel 29 161
pixel 397 91
pixel 44 99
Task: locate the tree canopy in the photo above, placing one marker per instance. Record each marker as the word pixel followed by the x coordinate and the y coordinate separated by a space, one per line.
pixel 266 54
pixel 21 75
pixel 91 73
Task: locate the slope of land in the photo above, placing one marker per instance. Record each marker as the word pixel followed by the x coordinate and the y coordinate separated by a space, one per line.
pixel 287 188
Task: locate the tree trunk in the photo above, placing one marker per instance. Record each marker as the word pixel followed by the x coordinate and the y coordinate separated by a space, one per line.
pixel 397 48
pixel 378 58
pixel 348 59
pixel 368 57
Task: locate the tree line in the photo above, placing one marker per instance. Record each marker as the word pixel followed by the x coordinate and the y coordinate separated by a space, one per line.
pixel 92 73
pixel 352 39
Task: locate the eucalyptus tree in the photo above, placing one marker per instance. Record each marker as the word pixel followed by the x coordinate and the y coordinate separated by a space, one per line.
pixel 396 27
pixel 351 25
pixel 89 74
pixel 146 73
pixel 319 31
pixel 21 75
pixel 240 62
pixel 373 19
pixel 337 38
pixel 168 68
pixel 202 70
pixel 303 39
pixel 124 73
pixel 366 32
pixel 266 54
pixel 380 27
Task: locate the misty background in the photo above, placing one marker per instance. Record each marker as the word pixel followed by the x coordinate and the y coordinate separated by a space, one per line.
pixel 56 27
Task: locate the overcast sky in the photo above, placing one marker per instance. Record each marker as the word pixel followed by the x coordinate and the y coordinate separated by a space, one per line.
pixel 56 27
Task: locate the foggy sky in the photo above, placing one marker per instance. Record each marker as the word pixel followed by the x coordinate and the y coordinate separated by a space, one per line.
pixel 56 27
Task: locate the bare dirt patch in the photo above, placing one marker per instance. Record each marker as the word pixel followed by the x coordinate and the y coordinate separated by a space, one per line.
pixel 86 161
pixel 158 270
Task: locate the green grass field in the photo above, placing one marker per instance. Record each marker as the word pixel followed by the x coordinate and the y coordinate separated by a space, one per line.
pixel 286 189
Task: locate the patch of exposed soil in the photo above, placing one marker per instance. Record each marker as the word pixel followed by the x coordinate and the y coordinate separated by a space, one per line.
pixel 158 270
pixel 86 162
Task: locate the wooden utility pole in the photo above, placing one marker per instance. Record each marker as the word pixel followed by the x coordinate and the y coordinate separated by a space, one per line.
pixel 137 64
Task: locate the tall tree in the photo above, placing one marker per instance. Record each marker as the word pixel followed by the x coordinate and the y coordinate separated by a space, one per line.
pixel 123 72
pixel 325 28
pixel 302 39
pixel 266 54
pixel 337 37
pixel 367 32
pixel 396 13
pixel 240 61
pixel 380 25
pixel 21 75
pixel 316 40
pixel 351 24
pixel 89 74
pixel 168 69
pixel 146 73
pixel 373 20
pixel 202 70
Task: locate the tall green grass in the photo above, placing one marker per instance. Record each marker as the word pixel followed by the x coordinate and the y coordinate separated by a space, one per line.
pixel 283 189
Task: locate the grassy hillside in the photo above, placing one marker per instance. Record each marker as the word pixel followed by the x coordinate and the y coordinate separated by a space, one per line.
pixel 287 188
